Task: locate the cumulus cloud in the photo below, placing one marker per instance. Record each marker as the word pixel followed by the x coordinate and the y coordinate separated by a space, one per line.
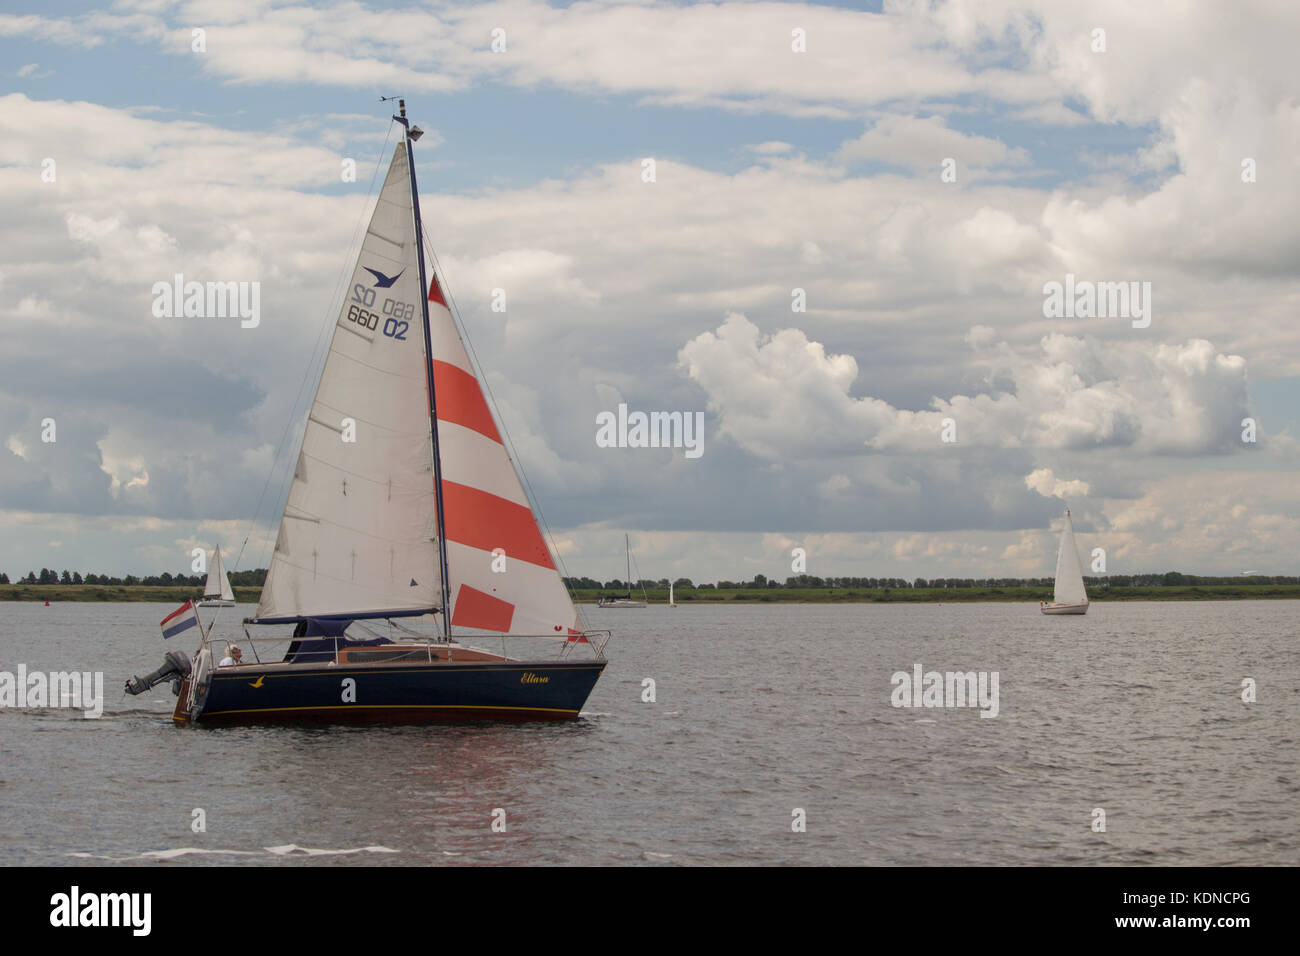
pixel 1048 485
pixel 780 395
pixel 783 394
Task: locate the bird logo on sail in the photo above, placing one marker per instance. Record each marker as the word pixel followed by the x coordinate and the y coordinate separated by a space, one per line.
pixel 382 281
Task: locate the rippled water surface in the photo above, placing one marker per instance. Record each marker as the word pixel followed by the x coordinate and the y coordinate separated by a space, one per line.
pixel 1135 708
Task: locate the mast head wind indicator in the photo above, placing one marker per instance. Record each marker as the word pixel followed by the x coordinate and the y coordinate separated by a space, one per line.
pixel 413 133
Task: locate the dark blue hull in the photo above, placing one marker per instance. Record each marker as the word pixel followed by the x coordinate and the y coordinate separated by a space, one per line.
pixel 395 693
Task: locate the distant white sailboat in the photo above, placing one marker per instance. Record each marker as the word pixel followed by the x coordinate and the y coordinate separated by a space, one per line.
pixel 671 602
pixel 217 592
pixel 1069 596
pixel 627 600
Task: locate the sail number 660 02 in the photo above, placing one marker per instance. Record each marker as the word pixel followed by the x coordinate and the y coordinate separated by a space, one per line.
pixel 393 328
pixel 398 314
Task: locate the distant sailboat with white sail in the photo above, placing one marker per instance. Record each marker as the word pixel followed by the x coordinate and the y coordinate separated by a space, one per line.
pixel 1070 596
pixel 217 592
pixel 671 602
pixel 625 600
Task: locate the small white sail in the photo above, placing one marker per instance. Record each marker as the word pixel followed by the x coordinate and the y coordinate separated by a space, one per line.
pixel 1069 574
pixel 359 531
pixel 218 586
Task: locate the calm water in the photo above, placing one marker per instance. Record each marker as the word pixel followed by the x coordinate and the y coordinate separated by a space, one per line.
pixel 1135 708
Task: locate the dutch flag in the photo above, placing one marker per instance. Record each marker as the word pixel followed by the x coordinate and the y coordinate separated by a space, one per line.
pixel 179 620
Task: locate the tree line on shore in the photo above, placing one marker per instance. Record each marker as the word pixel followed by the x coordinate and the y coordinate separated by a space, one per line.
pixel 238 579
pixel 256 577
pixel 1165 579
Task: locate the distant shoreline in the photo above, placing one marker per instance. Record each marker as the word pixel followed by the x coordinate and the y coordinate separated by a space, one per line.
pixel 249 595
pixel 113 593
pixel 1033 595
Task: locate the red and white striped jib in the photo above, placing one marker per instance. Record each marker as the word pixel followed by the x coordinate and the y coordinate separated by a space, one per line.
pixel 488 515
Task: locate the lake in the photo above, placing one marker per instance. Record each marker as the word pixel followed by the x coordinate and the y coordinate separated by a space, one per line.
pixel 763 716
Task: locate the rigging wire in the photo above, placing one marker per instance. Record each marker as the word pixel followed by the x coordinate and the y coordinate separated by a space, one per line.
pixel 640 582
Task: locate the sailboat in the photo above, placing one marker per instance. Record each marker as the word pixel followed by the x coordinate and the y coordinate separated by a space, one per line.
pixel 1070 596
pixel 626 600
pixel 403 503
pixel 217 592
pixel 671 602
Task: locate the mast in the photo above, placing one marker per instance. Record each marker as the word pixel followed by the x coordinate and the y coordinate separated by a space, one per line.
pixel 411 136
pixel 627 548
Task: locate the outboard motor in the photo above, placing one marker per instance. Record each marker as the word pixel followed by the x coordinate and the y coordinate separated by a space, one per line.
pixel 175 666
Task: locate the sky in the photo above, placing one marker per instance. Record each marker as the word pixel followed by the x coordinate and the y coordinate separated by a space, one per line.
pixel 842 262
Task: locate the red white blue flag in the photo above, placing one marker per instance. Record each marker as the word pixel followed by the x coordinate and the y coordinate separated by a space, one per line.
pixel 180 620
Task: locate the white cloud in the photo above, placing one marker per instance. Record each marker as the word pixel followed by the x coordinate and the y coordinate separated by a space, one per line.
pixel 782 394
pixel 527 276
pixel 1231 520
pixel 16 445
pixel 924 143
pixel 834 484
pixel 125 473
pixel 1043 481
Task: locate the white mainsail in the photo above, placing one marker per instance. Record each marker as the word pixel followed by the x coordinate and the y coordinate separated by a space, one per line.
pixel 1069 575
pixel 218 585
pixel 359 531
pixel 485 507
